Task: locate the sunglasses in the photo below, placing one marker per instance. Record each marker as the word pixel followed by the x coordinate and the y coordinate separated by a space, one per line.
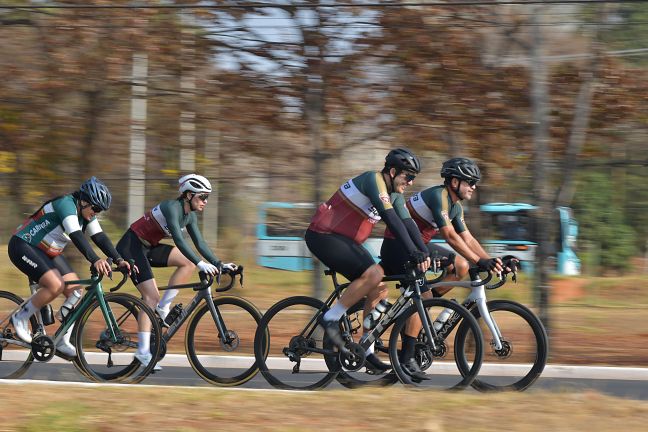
pixel 203 197
pixel 409 177
pixel 471 183
pixel 95 208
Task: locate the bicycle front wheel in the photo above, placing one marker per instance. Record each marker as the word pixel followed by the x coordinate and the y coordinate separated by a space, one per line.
pixel 15 359
pixel 289 346
pixel 224 360
pixel 103 359
pixel 438 360
pixel 524 348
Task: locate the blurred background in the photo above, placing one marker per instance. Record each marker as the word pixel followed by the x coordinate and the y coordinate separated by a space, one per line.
pixel 283 101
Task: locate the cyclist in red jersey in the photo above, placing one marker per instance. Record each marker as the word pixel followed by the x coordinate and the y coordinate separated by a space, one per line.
pixel 344 222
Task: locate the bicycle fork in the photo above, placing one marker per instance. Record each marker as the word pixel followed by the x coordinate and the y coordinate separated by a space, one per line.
pixel 477 297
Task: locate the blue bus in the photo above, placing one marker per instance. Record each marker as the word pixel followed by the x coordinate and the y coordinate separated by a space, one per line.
pixel 508 231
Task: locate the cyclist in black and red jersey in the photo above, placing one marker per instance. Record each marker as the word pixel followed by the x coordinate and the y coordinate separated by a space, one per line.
pixel 438 210
pixel 344 222
pixel 141 242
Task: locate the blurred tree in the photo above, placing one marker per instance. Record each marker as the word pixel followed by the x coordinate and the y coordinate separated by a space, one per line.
pixel 602 223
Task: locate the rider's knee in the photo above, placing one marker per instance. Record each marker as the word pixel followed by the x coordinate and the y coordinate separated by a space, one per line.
pixel 374 275
pixel 461 268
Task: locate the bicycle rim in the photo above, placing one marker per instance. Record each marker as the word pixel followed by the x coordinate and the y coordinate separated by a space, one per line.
pixel 284 344
pixel 103 359
pixel 440 364
pixel 14 359
pixel 224 362
pixel 525 348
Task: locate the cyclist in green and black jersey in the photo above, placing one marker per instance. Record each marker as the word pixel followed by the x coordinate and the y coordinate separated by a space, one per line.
pixel 141 242
pixel 37 245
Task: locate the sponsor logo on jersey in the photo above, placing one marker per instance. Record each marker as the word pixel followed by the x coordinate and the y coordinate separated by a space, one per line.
pixel 384 198
pixel 444 214
pixel 35 230
pixel 30 262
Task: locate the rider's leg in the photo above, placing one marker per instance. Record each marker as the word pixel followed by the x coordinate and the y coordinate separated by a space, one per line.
pixel 414 325
pixel 51 285
pixel 182 274
pixel 151 297
pixel 361 287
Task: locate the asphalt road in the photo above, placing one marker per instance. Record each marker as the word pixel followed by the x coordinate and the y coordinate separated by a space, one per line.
pixel 629 383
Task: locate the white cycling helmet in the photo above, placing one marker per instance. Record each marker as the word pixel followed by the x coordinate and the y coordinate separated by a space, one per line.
pixel 194 183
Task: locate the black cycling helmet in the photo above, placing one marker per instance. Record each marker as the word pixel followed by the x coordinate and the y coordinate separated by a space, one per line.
pixel 461 168
pixel 403 160
pixel 95 192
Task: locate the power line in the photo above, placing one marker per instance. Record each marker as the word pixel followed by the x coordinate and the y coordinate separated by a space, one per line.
pixel 261 5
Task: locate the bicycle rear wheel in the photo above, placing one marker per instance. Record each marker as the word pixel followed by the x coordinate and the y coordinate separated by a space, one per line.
pixel 440 363
pixel 288 345
pixel 14 359
pixel 218 361
pixel 103 359
pixel 524 348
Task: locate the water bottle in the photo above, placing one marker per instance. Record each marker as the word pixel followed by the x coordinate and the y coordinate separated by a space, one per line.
pixel 173 314
pixel 374 316
pixel 68 305
pixel 442 318
pixel 47 314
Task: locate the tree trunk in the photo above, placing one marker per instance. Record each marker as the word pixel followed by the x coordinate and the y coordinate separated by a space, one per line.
pixel 540 107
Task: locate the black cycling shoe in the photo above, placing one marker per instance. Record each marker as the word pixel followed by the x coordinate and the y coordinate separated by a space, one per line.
pixel 374 364
pixel 412 369
pixel 332 330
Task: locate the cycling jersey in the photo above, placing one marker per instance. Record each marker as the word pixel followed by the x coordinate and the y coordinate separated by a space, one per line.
pixel 168 220
pixel 355 208
pixel 433 209
pixel 50 227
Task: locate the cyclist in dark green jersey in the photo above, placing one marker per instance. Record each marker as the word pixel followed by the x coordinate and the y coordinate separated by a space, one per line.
pixel 141 242
pixel 438 210
pixel 37 245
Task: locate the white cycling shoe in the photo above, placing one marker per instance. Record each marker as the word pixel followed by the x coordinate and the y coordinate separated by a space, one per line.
pixel 162 313
pixel 21 326
pixel 66 348
pixel 145 359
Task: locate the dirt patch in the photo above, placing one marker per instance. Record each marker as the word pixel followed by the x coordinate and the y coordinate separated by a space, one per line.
pixel 567 289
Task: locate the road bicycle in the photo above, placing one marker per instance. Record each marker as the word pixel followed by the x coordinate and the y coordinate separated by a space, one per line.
pixel 518 347
pixel 220 331
pixel 105 334
pixel 293 353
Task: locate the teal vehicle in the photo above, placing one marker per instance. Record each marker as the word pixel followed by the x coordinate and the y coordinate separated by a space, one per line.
pixel 280 236
pixel 508 230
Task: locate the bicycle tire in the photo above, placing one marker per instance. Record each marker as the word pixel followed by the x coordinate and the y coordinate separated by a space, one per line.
pixel 442 374
pixel 15 360
pixel 529 346
pixel 286 335
pixel 92 343
pixel 362 378
pixel 228 364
